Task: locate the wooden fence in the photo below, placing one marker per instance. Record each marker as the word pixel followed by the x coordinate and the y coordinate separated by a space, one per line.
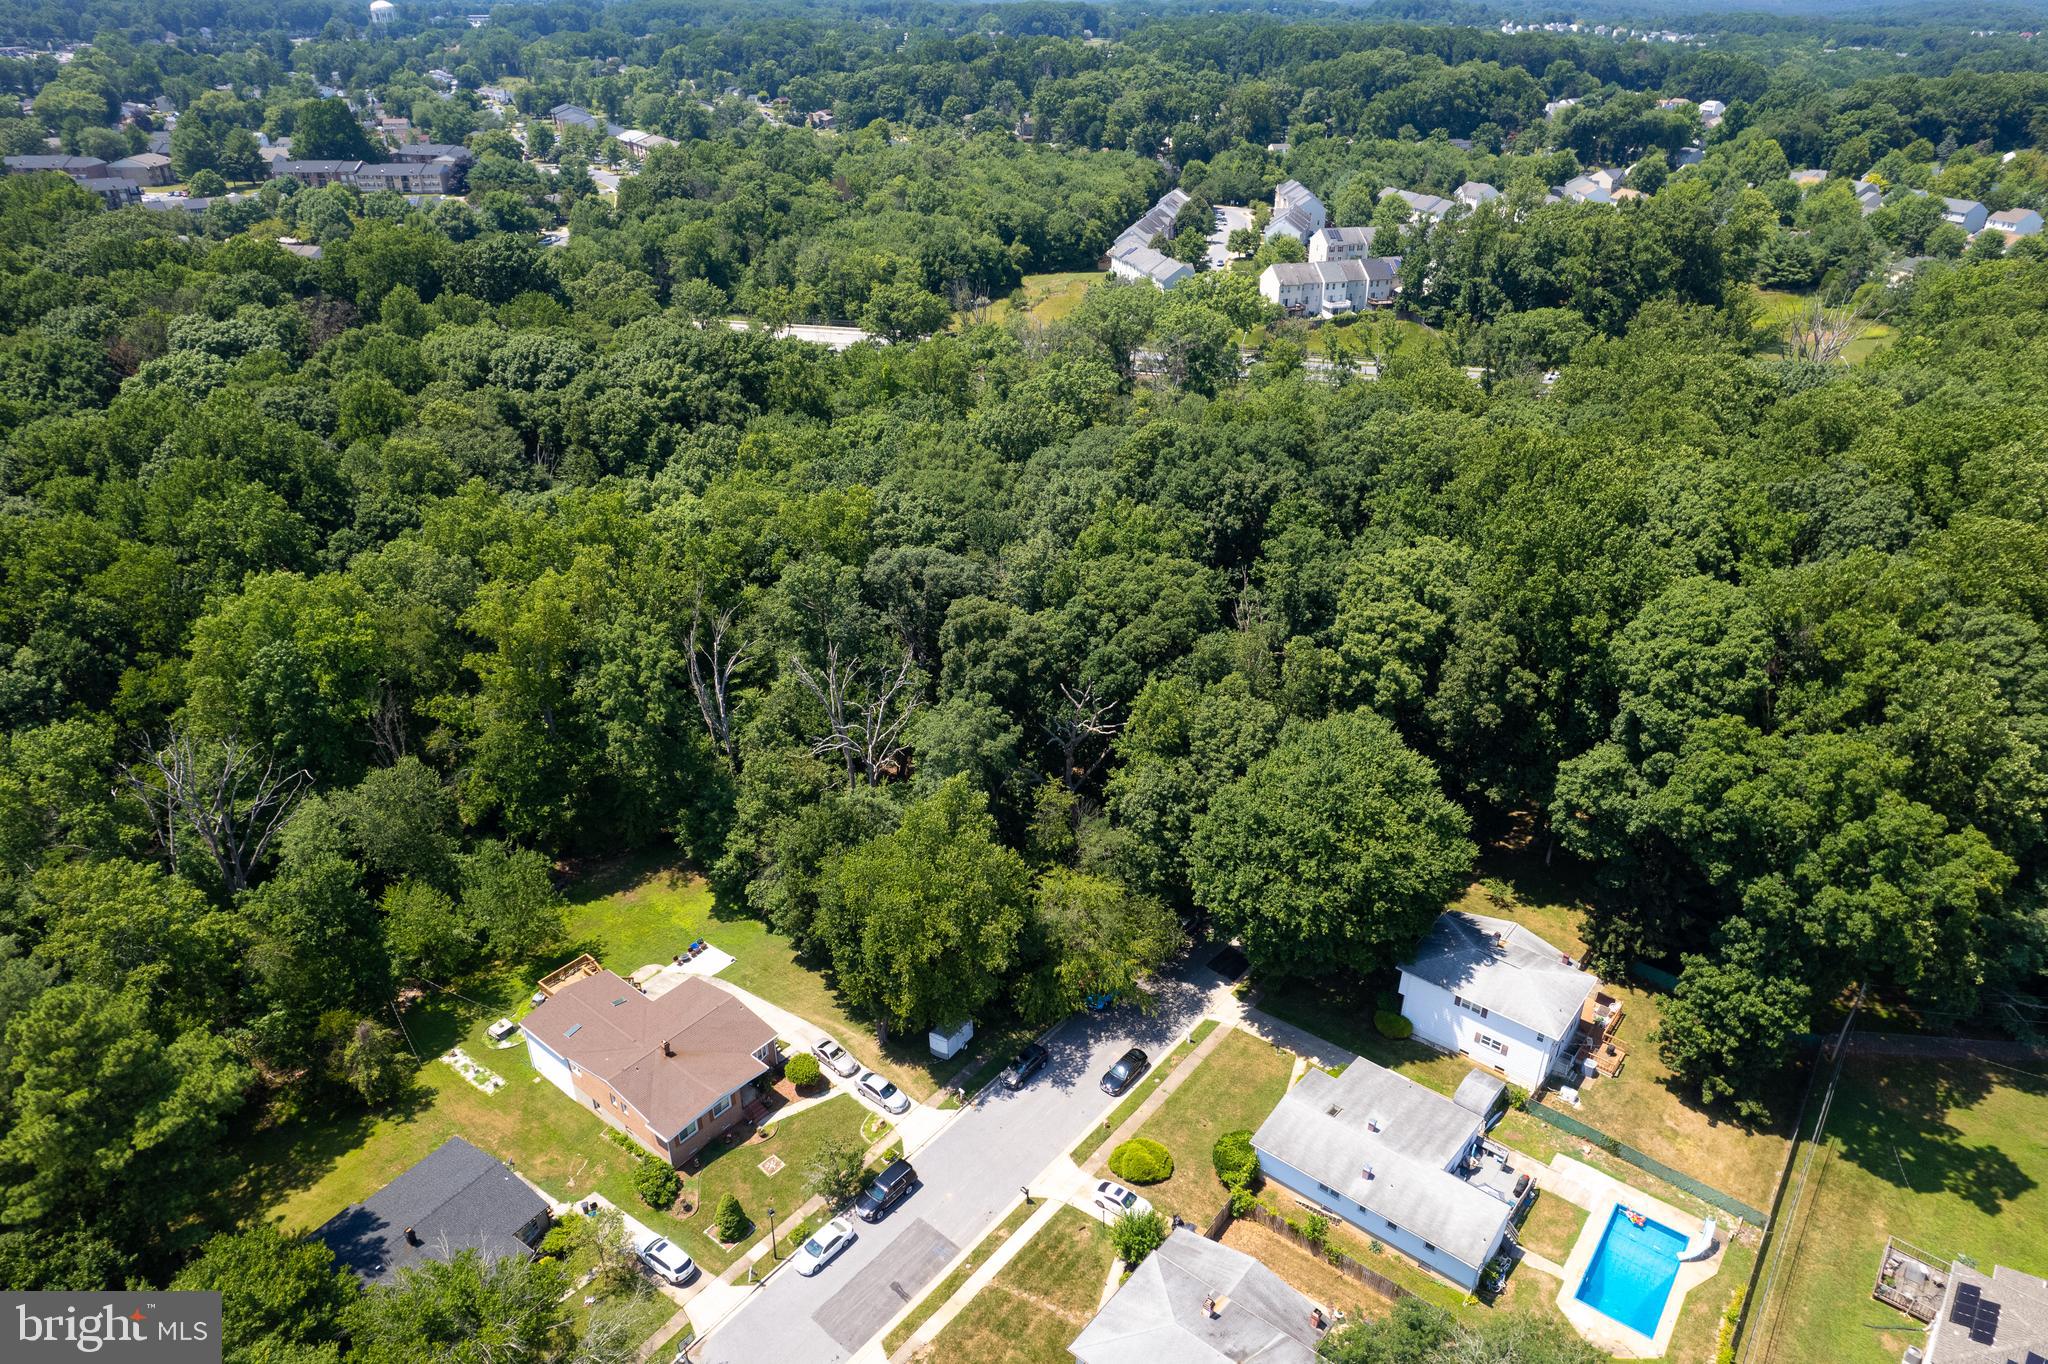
pixel 1275 1223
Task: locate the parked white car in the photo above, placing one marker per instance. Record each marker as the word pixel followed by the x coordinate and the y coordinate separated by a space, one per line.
pixel 1114 1199
pixel 835 1058
pixel 885 1096
pixel 825 1245
pixel 666 1260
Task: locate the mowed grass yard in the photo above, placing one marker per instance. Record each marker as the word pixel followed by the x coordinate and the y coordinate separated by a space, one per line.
pixel 1232 1089
pixel 304 1170
pixel 1037 1303
pixel 1951 1156
pixel 1552 1227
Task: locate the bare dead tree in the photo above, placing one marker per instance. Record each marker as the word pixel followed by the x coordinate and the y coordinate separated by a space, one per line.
pixel 1820 332
pixel 1085 723
pixel 387 723
pixel 222 794
pixel 864 724
pixel 713 661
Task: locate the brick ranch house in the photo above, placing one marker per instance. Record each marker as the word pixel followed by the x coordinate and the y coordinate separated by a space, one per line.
pixel 672 1072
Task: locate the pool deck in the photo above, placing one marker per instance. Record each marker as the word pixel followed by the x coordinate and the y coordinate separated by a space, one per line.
pixel 1599 1193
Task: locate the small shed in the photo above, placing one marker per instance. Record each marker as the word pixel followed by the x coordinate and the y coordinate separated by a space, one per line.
pixel 1478 1092
pixel 947 1044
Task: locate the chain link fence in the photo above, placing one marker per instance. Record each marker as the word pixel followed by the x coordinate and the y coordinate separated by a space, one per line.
pixel 1706 1193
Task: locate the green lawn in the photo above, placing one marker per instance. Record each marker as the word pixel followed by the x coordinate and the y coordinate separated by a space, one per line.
pixel 1552 1227
pixel 1141 1091
pixel 1035 1306
pixel 736 1170
pixel 1233 1089
pixel 942 1292
pixel 1951 1156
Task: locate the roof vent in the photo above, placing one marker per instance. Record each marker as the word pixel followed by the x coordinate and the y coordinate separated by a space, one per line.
pixel 668 1049
pixel 1368 1172
pixel 1372 1124
pixel 1214 1305
pixel 1334 1109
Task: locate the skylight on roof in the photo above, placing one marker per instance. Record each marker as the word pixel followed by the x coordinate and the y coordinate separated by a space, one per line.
pixel 574 1028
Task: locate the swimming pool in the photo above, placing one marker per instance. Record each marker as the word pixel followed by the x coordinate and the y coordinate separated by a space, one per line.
pixel 1632 1271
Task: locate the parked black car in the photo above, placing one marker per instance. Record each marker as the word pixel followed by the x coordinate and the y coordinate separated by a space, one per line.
pixel 1029 1062
pixel 1127 1069
pixel 891 1187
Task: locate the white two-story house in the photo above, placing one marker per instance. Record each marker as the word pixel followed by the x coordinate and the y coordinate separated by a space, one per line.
pixel 1492 990
pixel 1396 1160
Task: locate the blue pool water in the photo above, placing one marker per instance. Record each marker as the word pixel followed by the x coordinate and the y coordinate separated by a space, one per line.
pixel 1632 1272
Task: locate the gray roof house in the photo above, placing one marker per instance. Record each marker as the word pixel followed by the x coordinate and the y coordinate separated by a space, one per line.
pixel 1340 243
pixel 77 167
pixel 144 168
pixel 1473 193
pixel 1495 992
pixel 1297 212
pixel 568 115
pixel 457 1199
pixel 1193 1301
pixel 1430 206
pixel 1155 267
pixel 1995 1318
pixel 1390 1157
pixel 1149 224
pixel 1967 214
pixel 2016 222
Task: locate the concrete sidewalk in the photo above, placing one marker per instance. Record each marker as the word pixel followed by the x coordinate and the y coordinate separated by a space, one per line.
pixel 978 1280
pixel 1160 1095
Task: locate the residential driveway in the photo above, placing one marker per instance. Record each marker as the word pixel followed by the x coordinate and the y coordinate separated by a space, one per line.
pixel 1229 218
pixel 971 1172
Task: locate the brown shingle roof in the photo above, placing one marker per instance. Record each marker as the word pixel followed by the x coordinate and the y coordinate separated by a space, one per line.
pixel 610 1029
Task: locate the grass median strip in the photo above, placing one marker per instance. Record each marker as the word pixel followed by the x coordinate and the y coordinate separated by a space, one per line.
pixel 945 1288
pixel 1141 1091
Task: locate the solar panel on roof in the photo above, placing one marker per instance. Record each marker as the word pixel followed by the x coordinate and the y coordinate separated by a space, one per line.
pixel 1964 1313
pixel 1986 1329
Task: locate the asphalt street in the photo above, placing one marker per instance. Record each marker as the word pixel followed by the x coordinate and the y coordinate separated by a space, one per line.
pixel 970 1172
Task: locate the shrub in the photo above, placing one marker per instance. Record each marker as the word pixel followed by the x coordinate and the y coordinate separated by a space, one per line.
pixel 657 1183
pixel 1388 1001
pixel 1518 1098
pixel 1141 1161
pixel 1235 1161
pixel 731 1220
pixel 1316 1230
pixel 1392 1025
pixel 560 1241
pixel 1136 1235
pixel 1242 1201
pixel 802 1071
pixel 1724 1351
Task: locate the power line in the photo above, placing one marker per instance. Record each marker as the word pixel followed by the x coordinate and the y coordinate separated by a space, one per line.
pixel 1788 1226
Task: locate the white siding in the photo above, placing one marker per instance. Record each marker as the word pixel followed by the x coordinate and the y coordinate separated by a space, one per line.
pixel 1410 1242
pixel 552 1066
pixel 1440 1021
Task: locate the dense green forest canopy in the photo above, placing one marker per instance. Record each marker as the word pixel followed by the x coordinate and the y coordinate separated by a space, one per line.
pixel 342 598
